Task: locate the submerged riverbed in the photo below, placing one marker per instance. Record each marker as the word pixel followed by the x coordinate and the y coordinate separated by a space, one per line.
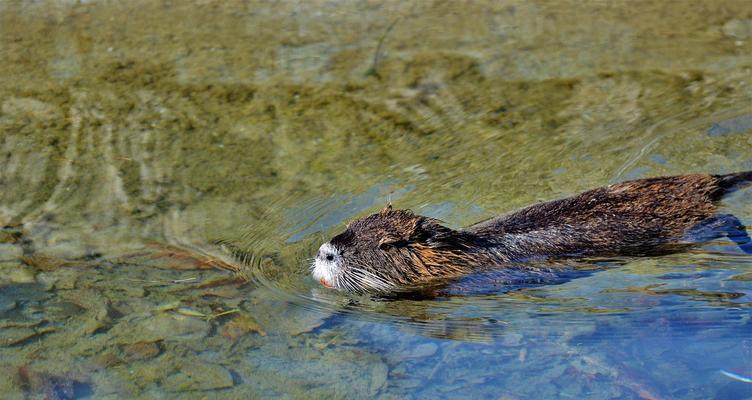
pixel 170 168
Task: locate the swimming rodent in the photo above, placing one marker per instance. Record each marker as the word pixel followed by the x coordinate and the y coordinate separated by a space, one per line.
pixel 396 248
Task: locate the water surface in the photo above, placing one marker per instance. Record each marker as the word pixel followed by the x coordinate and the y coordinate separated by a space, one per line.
pixel 169 169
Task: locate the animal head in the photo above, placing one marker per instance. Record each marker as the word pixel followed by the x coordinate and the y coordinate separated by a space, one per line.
pixel 386 250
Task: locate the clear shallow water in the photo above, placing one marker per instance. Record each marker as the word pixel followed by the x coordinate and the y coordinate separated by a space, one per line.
pixel 142 145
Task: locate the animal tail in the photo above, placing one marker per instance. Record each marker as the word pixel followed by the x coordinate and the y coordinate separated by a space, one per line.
pixel 730 182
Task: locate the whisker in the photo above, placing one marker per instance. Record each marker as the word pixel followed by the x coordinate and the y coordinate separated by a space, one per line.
pixel 372 280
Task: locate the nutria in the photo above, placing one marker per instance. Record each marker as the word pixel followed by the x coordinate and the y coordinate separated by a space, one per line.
pixel 395 248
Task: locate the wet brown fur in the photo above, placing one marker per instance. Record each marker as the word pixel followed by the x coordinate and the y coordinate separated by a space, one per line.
pixel 640 217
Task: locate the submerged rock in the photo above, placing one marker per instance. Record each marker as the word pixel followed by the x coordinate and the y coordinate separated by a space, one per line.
pixel 379 376
pixel 17 335
pixel 141 350
pixel 10 252
pixel 52 387
pixel 10 234
pixel 170 257
pixel 348 372
pixel 51 281
pixel 98 308
pixel 7 305
pixel 64 251
pixel 741 277
pixel 44 263
pixel 61 310
pixel 738 28
pixel 281 316
pixel 240 325
pixel 740 124
pixel 198 376
pixel 15 274
pixel 422 351
pixel 21 107
pixel 158 327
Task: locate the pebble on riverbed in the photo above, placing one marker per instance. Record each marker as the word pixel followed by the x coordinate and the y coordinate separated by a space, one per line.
pixel 159 327
pixel 10 252
pixel 282 317
pixel 421 351
pixel 63 251
pixel 15 274
pixel 738 28
pixel 141 350
pixel 240 325
pixel 198 376
pixel 51 387
pixel 17 335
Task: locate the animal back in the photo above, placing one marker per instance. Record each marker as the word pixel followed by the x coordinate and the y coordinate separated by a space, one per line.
pixel 629 217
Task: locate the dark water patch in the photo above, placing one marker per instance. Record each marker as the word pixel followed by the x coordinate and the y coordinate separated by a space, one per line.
pixel 688 275
pixel 53 387
pixel 658 159
pixel 740 124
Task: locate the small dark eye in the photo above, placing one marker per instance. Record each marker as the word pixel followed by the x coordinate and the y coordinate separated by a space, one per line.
pixel 329 257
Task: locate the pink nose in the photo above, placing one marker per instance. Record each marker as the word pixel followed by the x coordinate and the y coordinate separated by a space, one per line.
pixel 325 283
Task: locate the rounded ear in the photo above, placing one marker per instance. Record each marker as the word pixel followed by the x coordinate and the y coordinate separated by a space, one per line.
pixel 390 242
pixel 430 230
